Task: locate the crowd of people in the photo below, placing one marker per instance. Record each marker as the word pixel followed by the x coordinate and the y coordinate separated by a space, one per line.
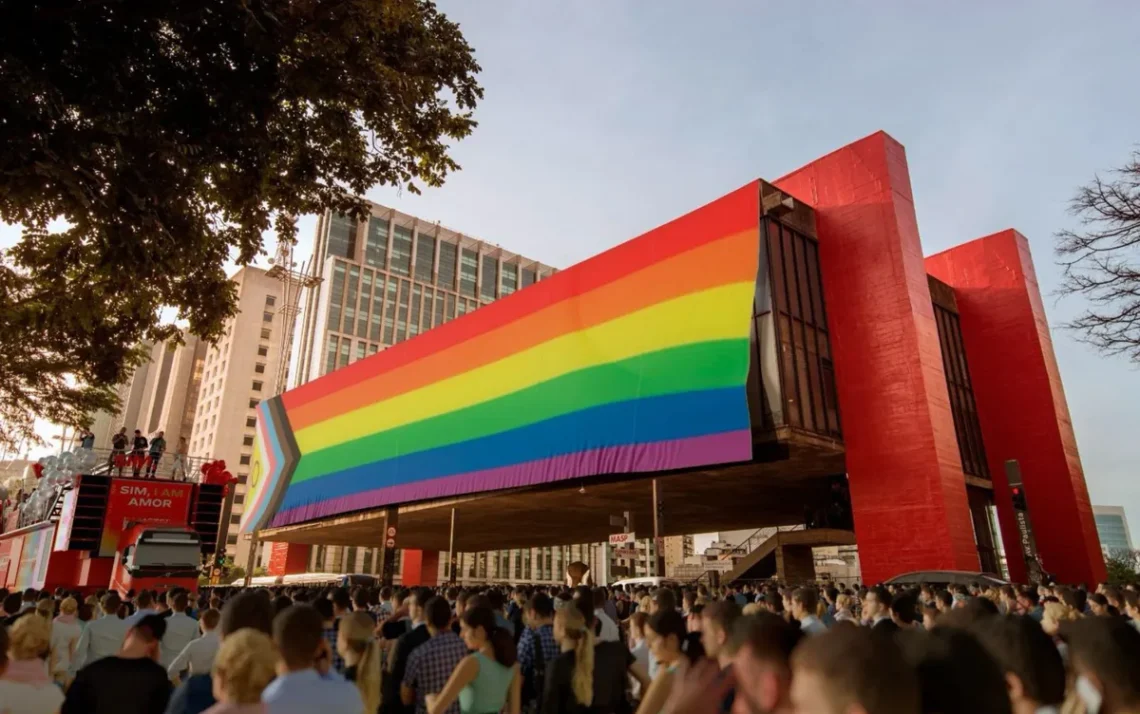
pixel 540 650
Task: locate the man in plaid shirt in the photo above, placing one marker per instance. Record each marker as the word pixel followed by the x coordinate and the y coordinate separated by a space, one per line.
pixel 431 664
pixel 538 637
pixel 330 629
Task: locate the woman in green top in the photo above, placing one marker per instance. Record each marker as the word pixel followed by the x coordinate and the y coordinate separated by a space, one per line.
pixel 487 681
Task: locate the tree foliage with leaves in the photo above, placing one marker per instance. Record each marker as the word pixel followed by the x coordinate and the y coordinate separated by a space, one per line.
pixel 168 137
pixel 1101 261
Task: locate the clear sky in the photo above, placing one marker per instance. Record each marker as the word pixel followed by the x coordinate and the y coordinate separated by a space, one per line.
pixel 604 119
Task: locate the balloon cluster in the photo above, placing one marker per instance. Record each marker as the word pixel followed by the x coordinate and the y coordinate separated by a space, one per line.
pixel 53 473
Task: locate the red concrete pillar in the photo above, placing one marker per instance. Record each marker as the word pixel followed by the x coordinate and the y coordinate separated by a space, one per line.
pixel 420 567
pixel 288 558
pixel 908 491
pixel 1021 403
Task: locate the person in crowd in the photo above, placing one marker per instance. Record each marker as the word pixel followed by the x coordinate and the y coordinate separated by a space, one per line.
pixel 181 629
pixel 361 602
pixel 1132 607
pixel 178 464
pixel 904 610
pixel 46 609
pixel 495 601
pixel 1105 656
pixel 639 646
pixel 305 682
pixel 103 636
pixel 118 458
pixel 157 449
pixel 804 603
pixel 361 654
pixel 570 687
pixel 197 657
pixel 404 647
pixel 244 666
pixel 145 604
pixel 488 679
pixel 851 669
pixel 877 609
pixel 538 647
pixel 138 453
pixel 25 687
pixel 944 601
pixel 1098 605
pixel 955 673
pixel 1034 672
pixel 65 634
pixel 431 664
pixel 843 608
pixel 719 620
pixel 86 439
pixel 247 609
pixel 608 630
pixel 132 682
pixel 342 605
pixel 666 634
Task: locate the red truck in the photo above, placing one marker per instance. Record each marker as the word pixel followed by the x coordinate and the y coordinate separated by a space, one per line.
pixel 119 532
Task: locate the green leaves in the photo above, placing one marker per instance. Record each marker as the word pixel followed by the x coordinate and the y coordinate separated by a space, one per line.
pixel 169 136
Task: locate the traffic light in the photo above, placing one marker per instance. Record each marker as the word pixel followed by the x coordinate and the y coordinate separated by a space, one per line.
pixel 219 560
pixel 1018 498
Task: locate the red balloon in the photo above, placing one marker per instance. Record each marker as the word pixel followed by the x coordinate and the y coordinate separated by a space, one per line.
pixel 38 469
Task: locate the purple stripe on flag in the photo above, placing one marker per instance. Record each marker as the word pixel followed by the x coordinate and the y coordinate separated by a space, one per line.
pixel 726 447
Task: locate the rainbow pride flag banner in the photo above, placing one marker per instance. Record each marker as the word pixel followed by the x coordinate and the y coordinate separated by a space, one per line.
pixel 632 361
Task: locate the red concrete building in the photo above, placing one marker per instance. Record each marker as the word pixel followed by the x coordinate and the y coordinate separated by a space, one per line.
pixel 914 380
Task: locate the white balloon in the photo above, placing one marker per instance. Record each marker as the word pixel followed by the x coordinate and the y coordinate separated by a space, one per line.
pixel 49 462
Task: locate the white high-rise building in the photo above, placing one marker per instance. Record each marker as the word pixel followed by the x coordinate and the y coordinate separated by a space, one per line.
pixel 237 374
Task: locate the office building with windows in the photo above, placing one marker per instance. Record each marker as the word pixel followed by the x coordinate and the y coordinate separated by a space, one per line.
pixel 237 373
pixel 385 280
pixel 1112 529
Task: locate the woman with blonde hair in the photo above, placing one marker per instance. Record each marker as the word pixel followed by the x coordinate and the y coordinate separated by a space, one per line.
pixel 65 632
pixel 843 609
pixel 570 681
pixel 245 665
pixel 356 643
pixel 26 687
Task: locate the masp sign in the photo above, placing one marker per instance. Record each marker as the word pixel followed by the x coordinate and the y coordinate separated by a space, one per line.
pixel 623 538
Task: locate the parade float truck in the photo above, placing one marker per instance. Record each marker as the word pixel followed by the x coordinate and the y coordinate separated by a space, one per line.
pixel 98 531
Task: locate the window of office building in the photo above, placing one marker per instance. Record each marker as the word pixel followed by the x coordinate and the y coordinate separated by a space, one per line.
pixel 366 565
pixel 365 301
pixel 263 350
pixel 267 317
pixel 468 271
pixel 239 499
pixel 401 250
pixel 350 300
pixel 336 294
pixel 247 441
pixel 510 279
pixel 962 406
pixel 253 403
pixel 265 333
pixel 402 313
pixel 438 319
pixel 259 368
pixel 527 277
pixel 448 261
pixel 270 300
pixel 518 564
pixel 251 421
pixel 461 308
pixel 449 307
pixel 330 354
pixel 377 309
pixel 244 460
pixel 490 285
pixel 376 244
pixel 345 353
pixel 390 313
pixel 257 386
pixel 425 257
pixel 360 348
pixel 414 325
pixel 342 235
pixel 806 372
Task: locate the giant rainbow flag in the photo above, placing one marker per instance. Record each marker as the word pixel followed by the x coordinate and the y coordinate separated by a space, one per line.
pixel 632 361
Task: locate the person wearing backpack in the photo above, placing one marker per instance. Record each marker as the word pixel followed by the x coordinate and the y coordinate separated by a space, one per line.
pixel 537 647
